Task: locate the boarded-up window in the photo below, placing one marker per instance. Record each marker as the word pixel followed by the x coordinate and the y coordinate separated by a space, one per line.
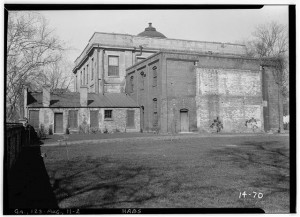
pixel 113 66
pixel 142 81
pixel 154 76
pixel 92 78
pixel 108 114
pixel 34 119
pixel 73 119
pixel 155 116
pixel 87 74
pixel 131 84
pixel 94 119
pixel 130 118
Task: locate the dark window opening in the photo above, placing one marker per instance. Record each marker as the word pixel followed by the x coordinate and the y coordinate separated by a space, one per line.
pixel 108 114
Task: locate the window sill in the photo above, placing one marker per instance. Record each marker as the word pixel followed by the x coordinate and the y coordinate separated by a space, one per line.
pixel 108 119
pixel 113 76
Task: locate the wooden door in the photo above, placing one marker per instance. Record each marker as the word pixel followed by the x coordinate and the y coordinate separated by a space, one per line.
pixel 34 119
pixel 130 119
pixel 94 119
pixel 184 121
pixel 58 123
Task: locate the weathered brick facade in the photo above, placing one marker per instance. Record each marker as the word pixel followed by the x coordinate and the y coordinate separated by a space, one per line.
pixel 194 90
pixel 116 124
pixel 92 64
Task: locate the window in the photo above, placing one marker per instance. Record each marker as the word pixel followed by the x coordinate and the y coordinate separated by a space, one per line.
pixel 76 84
pixel 73 122
pixel 87 74
pixel 81 78
pixel 155 115
pixel 142 81
pixel 154 76
pixel 94 119
pixel 92 69
pixel 130 119
pixel 107 114
pixel 113 66
pixel 131 84
pixel 84 82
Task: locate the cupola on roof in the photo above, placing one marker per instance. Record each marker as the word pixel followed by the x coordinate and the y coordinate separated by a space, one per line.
pixel 151 32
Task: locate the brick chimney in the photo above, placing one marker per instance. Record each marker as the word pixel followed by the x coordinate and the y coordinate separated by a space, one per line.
pixel 46 96
pixel 83 95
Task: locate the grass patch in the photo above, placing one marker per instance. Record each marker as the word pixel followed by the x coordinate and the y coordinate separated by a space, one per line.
pixel 182 173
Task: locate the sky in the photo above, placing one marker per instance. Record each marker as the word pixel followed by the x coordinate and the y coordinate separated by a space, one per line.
pixel 75 28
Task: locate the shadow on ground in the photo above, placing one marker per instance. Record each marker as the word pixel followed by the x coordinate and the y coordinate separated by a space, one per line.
pixel 264 166
pixel 28 182
pixel 103 183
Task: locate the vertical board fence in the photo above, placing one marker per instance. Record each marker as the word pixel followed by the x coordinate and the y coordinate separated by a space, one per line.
pixel 16 137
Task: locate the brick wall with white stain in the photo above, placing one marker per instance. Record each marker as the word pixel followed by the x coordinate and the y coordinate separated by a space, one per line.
pixel 233 95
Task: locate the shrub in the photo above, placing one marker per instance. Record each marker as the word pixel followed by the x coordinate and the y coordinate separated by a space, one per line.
pixel 105 130
pixel 50 131
pixel 94 130
pixel 116 130
pixel 251 123
pixel 217 124
pixel 41 132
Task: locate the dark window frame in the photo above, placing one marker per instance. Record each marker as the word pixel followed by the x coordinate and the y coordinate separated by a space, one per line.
pixel 108 114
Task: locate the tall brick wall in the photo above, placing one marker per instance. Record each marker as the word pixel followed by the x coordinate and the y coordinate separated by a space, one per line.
pixel 181 92
pixel 273 109
pixel 233 95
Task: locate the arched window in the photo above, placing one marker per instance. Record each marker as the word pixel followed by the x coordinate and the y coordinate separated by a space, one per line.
pixel 131 84
pixel 142 80
pixel 154 71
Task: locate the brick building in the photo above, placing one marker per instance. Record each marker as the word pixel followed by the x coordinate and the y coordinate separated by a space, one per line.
pixel 183 92
pixel 83 111
pixel 102 64
pixel 153 83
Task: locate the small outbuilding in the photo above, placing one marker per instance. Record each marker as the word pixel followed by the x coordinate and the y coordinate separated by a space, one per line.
pixel 59 111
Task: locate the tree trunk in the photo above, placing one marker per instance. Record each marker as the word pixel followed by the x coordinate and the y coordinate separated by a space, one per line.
pixel 279 121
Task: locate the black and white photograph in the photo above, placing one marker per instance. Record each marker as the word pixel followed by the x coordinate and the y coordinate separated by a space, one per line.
pixel 149 109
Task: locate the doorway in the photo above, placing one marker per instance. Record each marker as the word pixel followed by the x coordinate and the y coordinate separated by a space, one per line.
pixel 58 123
pixel 184 120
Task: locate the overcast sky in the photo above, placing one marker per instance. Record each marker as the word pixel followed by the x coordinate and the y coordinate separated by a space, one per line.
pixel 77 27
